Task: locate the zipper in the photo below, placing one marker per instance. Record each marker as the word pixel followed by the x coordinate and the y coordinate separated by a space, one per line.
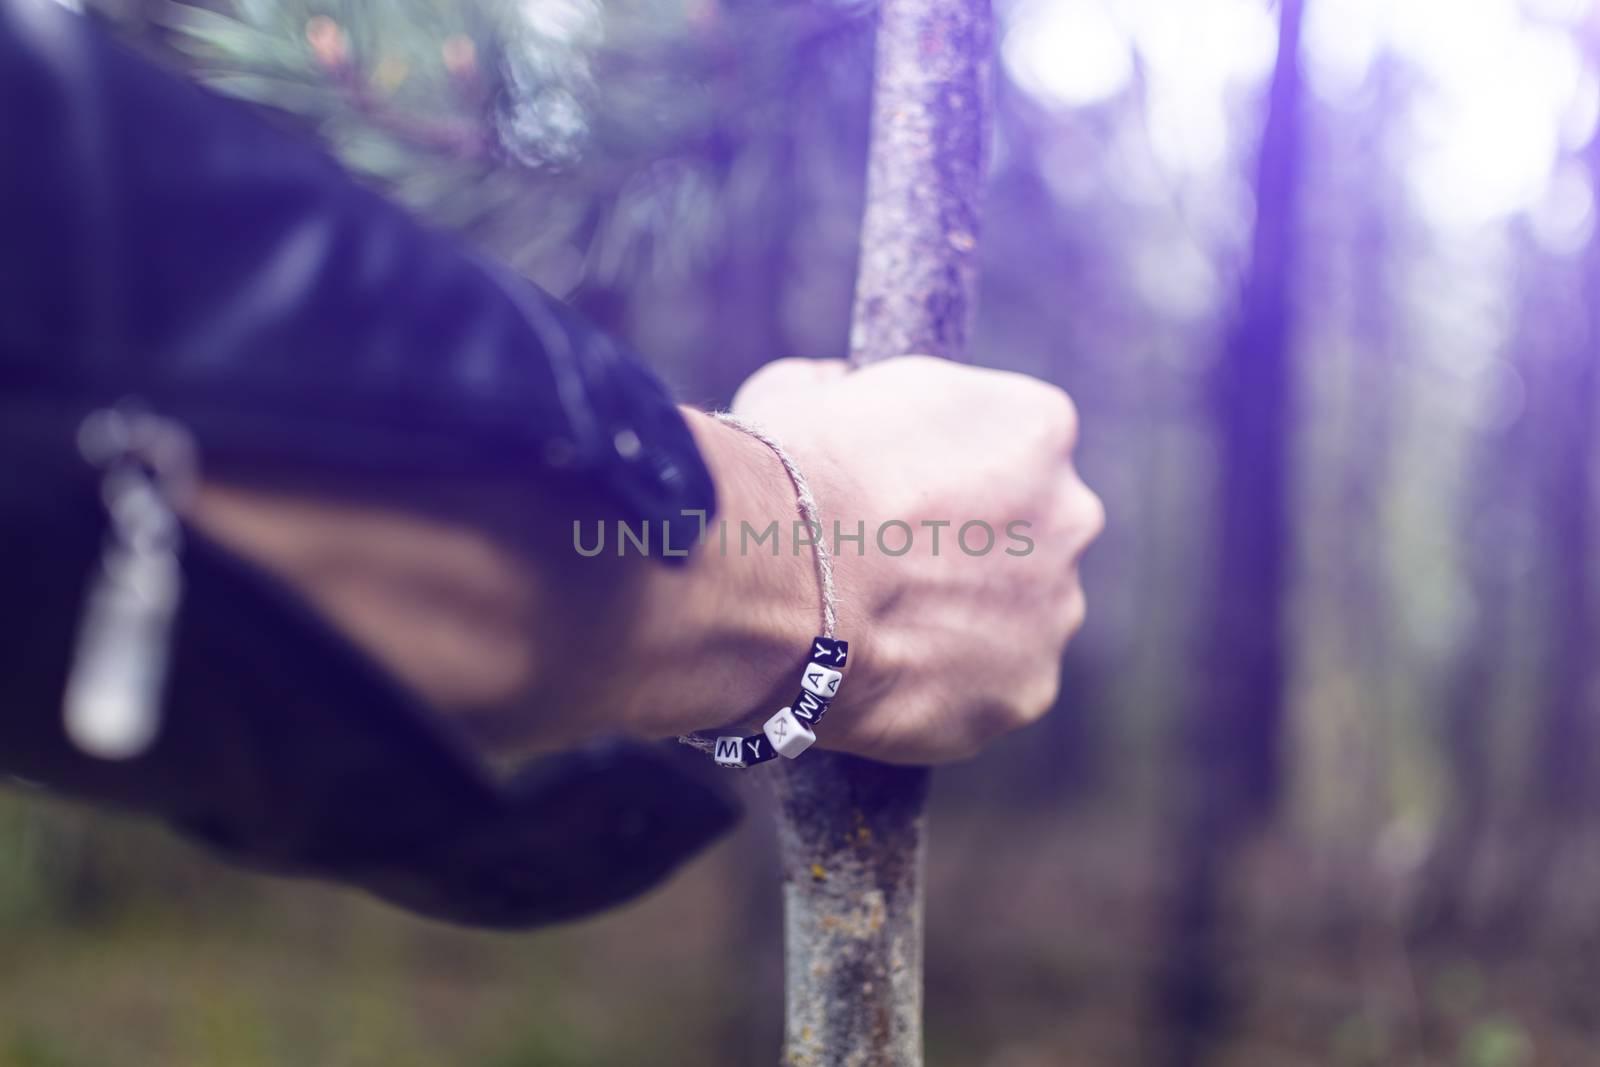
pixel 112 705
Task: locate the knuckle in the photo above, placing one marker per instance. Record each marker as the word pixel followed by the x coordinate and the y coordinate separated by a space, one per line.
pixel 1044 410
pixel 1069 413
pixel 1075 611
pixel 1079 514
pixel 1092 510
pixel 1060 414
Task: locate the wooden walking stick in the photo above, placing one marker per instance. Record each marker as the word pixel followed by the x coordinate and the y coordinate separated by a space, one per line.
pixel 851 831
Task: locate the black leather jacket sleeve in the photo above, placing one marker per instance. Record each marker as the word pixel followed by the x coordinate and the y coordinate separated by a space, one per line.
pixel 159 242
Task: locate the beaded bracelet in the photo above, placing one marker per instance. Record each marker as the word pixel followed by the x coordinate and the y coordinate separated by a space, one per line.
pixel 792 730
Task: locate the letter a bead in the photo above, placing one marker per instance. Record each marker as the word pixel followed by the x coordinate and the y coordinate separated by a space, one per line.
pixel 729 752
pixel 788 734
pixel 823 681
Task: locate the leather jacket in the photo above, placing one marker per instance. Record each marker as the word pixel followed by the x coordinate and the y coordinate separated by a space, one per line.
pixel 160 243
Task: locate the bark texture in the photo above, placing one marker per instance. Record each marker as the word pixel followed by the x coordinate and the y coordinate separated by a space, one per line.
pixel 852 832
pixel 919 237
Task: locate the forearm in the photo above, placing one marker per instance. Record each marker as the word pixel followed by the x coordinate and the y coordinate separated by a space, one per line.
pixel 482 602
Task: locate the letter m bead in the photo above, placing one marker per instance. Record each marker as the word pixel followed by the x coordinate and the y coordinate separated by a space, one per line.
pixel 729 752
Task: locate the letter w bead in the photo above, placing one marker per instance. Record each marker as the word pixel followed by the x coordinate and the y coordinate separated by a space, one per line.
pixel 810 707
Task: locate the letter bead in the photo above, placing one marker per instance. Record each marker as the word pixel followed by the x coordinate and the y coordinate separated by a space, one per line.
pixel 823 681
pixel 758 749
pixel 729 752
pixel 828 652
pixel 788 734
pixel 809 708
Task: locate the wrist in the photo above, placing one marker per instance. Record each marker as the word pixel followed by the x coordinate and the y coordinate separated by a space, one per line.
pixel 718 640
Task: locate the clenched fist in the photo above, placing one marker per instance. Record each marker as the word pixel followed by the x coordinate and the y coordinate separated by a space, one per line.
pixel 956 519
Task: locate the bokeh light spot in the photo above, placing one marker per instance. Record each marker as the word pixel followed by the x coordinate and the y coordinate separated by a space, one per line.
pixel 1067 52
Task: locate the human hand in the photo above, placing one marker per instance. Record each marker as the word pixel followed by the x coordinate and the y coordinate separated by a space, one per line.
pixel 964 591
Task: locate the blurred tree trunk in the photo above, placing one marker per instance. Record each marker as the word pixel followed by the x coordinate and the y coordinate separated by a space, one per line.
pixel 1564 493
pixel 1491 511
pixel 1363 475
pixel 1239 720
pixel 1559 801
pixel 1234 725
pixel 1340 754
pixel 1548 454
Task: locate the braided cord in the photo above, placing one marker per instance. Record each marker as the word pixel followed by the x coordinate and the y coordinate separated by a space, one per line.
pixel 809 513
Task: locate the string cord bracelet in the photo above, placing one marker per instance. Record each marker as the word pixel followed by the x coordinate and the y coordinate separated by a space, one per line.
pixel 793 729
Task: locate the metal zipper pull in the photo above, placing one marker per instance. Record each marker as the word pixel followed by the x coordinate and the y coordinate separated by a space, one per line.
pixel 112 704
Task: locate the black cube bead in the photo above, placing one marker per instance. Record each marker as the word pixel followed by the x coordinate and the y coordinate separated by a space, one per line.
pixel 829 652
pixel 809 708
pixel 757 749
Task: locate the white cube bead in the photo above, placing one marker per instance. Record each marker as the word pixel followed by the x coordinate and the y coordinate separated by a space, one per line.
pixel 823 681
pixel 729 751
pixel 789 736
